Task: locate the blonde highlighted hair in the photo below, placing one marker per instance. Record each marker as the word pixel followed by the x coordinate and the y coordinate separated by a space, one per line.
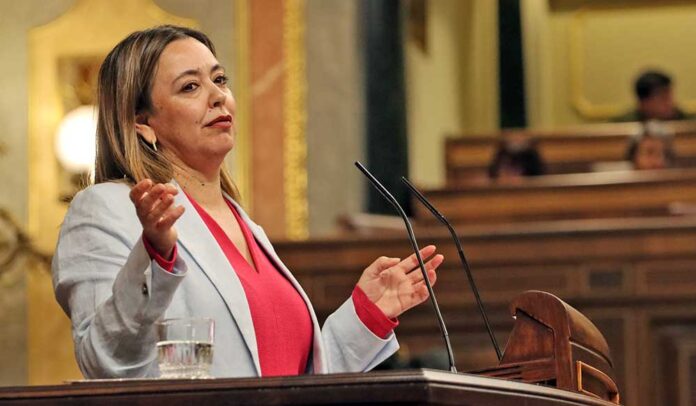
pixel 125 84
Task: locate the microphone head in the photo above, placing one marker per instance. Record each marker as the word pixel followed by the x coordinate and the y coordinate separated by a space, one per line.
pixel 363 169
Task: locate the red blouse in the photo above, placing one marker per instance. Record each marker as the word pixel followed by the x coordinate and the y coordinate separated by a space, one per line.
pixel 282 322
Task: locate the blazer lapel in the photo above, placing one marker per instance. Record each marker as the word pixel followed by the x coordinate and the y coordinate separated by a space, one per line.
pixel 200 244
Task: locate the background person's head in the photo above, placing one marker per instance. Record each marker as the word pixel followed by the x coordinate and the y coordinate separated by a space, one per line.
pixel 655 97
pixel 126 132
pixel 652 149
pixel 516 157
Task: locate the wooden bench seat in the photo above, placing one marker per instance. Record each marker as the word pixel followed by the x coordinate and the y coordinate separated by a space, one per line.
pixel 568 150
pixel 572 196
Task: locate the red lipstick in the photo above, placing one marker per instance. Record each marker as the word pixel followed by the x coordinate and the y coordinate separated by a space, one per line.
pixel 224 121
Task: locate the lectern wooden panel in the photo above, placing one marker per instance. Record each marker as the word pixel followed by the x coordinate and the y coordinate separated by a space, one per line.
pixel 552 343
pixel 633 278
pixel 413 387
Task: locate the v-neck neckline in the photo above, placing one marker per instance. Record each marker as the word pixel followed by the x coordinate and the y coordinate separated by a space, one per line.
pixel 246 233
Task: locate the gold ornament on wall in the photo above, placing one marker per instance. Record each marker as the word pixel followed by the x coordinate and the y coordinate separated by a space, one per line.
pixel 15 245
pixel 418 23
pixel 294 98
pixel 75 143
pixel 77 76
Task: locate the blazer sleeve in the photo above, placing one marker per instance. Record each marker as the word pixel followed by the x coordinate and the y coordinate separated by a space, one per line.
pixel 350 345
pixel 109 287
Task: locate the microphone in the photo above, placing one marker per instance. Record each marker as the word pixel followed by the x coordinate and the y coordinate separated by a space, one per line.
pixel 462 258
pixel 411 236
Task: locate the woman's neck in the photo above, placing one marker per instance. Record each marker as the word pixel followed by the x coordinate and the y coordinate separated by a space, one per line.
pixel 204 188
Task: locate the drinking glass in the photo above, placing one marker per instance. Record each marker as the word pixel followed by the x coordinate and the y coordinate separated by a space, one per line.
pixel 185 347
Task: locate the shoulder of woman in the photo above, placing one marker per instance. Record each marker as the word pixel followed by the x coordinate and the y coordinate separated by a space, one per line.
pixel 102 192
pixel 108 197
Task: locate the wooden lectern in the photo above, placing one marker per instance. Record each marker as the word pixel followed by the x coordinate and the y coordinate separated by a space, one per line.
pixel 410 387
pixel 553 344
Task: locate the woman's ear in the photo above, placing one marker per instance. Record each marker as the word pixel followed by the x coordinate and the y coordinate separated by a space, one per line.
pixel 144 130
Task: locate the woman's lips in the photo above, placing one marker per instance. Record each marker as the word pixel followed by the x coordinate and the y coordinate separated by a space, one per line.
pixel 221 122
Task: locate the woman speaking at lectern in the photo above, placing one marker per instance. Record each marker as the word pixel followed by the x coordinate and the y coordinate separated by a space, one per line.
pixel 161 235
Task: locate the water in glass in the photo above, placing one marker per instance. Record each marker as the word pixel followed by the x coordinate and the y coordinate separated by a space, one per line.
pixel 185 349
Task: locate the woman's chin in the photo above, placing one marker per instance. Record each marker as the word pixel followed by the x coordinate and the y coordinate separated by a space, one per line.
pixel 227 140
pixel 220 152
pixel 221 144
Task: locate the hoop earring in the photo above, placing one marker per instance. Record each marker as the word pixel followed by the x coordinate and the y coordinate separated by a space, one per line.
pixel 154 145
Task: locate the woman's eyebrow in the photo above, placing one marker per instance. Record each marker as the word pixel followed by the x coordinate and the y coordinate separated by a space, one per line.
pixel 196 72
pixel 193 72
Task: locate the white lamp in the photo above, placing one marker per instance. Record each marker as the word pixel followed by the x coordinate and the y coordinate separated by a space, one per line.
pixel 75 140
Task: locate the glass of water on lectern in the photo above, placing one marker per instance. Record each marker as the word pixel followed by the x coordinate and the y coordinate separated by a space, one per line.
pixel 185 347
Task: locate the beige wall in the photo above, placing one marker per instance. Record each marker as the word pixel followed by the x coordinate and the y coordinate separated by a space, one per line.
pixel 581 57
pixel 452 87
pixel 16 19
pixel 335 116
pixel 13 338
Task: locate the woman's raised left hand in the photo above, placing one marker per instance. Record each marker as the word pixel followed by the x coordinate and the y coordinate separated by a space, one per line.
pixel 395 285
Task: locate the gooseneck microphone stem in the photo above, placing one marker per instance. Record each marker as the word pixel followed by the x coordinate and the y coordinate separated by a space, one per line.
pixel 462 258
pixel 412 238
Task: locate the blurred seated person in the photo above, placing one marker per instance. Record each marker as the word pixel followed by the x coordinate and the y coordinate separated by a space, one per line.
pixel 515 158
pixel 652 149
pixel 654 93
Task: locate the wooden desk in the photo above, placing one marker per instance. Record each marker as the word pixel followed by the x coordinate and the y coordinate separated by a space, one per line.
pixel 566 150
pixel 576 196
pixel 414 387
pixel 634 278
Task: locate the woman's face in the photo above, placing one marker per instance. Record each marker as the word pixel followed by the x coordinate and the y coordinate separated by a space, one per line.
pixel 193 110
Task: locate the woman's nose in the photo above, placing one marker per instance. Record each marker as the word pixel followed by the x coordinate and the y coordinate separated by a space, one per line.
pixel 217 97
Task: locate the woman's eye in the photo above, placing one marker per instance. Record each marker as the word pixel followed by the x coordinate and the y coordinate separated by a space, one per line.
pixel 189 87
pixel 221 80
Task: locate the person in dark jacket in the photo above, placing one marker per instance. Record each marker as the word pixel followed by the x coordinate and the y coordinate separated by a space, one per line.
pixel 655 98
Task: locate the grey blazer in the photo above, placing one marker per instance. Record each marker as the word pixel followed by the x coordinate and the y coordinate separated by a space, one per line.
pixel 114 293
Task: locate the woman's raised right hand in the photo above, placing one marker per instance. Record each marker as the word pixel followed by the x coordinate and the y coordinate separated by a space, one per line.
pixel 154 206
